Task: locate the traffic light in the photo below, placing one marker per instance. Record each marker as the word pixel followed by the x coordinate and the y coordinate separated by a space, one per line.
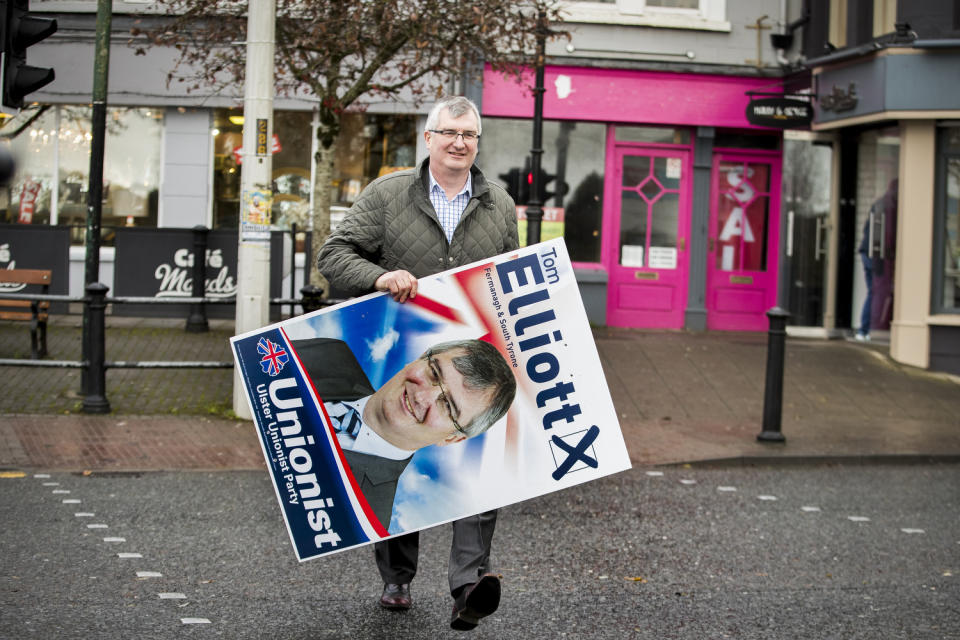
pixel 19 31
pixel 517 185
pixel 559 190
pixel 512 181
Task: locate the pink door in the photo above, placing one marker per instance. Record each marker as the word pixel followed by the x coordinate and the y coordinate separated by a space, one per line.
pixel 742 241
pixel 646 240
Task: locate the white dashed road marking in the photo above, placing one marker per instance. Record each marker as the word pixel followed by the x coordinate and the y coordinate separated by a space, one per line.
pixel 654 474
pixel 810 509
pixel 858 518
pixel 727 489
pixel 908 530
pixel 142 575
pixel 767 498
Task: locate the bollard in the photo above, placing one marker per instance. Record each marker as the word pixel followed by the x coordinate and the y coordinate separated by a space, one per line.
pixel 197 320
pixel 311 298
pixel 95 396
pixel 773 392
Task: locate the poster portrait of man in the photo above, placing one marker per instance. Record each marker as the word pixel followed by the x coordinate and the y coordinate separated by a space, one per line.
pixel 454 391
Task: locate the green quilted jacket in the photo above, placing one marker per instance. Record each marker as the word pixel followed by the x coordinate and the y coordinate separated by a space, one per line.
pixel 393 226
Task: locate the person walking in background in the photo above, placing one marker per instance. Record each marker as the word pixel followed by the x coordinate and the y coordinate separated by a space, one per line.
pixel 877 252
pixel 863 333
pixel 407 225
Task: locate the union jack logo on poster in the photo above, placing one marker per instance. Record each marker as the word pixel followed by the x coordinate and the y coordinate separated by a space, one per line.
pixel 274 356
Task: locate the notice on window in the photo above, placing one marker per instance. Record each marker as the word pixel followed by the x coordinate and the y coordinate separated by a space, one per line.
pixel 663 258
pixel 631 255
pixel 674 168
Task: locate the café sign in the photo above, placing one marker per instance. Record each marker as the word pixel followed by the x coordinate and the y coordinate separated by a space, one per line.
pixel 779 111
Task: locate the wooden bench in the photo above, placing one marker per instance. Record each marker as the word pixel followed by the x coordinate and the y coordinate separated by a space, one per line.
pixel 38 310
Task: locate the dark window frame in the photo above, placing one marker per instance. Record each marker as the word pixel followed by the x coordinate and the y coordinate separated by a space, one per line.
pixel 937 305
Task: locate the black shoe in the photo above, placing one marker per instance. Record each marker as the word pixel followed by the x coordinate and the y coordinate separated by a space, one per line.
pixel 477 600
pixel 396 597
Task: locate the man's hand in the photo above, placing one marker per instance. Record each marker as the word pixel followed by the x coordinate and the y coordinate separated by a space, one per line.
pixel 399 284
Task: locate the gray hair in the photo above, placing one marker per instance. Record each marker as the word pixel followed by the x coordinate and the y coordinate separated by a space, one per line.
pixel 457 106
pixel 482 368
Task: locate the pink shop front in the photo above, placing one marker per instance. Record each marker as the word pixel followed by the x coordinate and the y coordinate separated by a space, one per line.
pixel 669 201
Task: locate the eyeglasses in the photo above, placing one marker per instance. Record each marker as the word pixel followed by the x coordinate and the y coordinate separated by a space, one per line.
pixel 436 379
pixel 450 134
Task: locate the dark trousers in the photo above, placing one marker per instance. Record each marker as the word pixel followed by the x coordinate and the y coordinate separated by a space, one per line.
pixel 867 309
pixel 469 552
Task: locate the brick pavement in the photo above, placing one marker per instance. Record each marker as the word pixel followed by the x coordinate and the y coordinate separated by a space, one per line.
pixel 681 397
pixel 686 397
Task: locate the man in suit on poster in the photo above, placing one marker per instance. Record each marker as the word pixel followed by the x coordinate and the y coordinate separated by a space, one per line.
pixel 404 226
pixel 456 390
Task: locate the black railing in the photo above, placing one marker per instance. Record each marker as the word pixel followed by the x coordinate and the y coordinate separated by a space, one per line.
pixel 96 364
pixel 93 362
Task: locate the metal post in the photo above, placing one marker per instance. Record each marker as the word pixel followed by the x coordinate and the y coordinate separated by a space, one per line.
pixel 101 68
pixel 535 205
pixel 256 200
pixel 197 320
pixel 95 398
pixel 773 392
pixel 307 256
pixel 293 265
pixel 311 298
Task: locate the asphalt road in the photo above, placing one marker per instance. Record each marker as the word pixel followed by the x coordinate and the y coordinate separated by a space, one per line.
pixel 741 552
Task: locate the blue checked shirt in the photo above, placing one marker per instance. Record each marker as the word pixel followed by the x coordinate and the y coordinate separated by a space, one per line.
pixel 449 211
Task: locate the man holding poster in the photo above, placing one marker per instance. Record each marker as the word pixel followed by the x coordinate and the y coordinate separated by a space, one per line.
pixel 411 224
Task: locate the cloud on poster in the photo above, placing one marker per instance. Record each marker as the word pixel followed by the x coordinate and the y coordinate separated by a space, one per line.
pixel 380 347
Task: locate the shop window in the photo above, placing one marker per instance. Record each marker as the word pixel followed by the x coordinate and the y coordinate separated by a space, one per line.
pixel 291 145
pixel 743 216
pixel 674 14
pixel 731 139
pixel 31 138
pixel 369 146
pixel 640 6
pixel 884 17
pixel 946 277
pixel 53 163
pixel 878 165
pixel 662 135
pixel 837 34
pixel 227 146
pixel 574 152
pixel 291 168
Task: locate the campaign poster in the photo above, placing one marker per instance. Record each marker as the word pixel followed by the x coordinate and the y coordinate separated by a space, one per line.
pixel 378 418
